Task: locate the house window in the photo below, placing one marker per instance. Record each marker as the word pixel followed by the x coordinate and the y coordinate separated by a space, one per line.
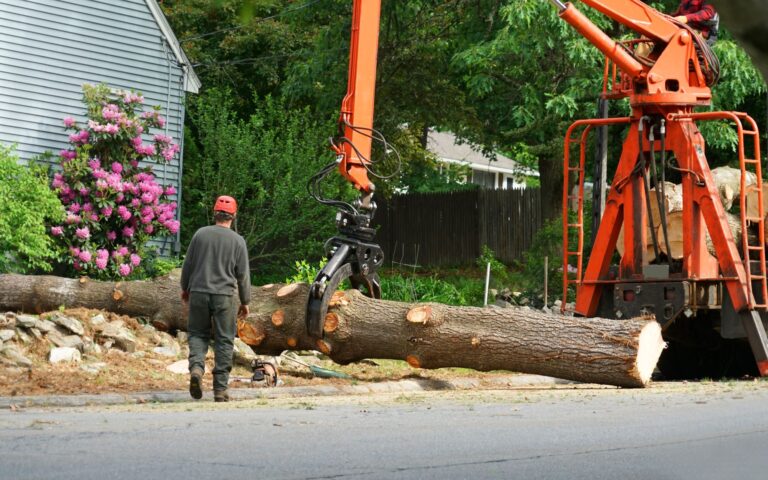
pixel 484 179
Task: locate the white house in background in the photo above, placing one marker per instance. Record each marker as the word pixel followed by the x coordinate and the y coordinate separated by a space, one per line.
pixel 503 172
pixel 50 48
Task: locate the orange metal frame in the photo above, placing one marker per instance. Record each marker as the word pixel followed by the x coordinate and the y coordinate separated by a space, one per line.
pixel 667 89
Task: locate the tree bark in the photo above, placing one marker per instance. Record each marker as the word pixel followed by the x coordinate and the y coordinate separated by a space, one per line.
pixel 622 353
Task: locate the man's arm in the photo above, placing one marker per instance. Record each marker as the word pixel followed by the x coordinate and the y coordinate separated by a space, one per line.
pixel 186 268
pixel 243 272
pixel 707 12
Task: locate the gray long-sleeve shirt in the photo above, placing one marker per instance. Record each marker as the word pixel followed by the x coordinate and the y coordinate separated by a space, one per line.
pixel 217 263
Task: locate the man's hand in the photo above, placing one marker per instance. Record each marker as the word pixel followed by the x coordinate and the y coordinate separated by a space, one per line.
pixel 185 296
pixel 682 19
pixel 243 311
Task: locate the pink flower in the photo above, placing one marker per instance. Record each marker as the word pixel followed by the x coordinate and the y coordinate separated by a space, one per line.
pixel 72 219
pixel 57 231
pixel 160 121
pixel 147 197
pixel 111 128
pixel 85 256
pixel 102 253
pixel 94 163
pixel 83 233
pixel 170 190
pixel 58 180
pixel 67 154
pixel 117 167
pixel 69 122
pixel 127 232
pixel 101 263
pixel 135 260
pixel 111 235
pixel 159 138
pixel 172 226
pixel 106 211
pixel 122 251
pixel 87 207
pixel 136 141
pixel 110 112
pixel 74 251
pixel 74 208
pixel 123 212
pixel 124 269
pixel 80 137
pixel 149 229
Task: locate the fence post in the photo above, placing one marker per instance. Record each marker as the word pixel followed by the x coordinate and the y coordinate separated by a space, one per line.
pixel 487 282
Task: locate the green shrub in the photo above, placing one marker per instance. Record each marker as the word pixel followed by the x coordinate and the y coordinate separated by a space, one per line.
pixel 424 289
pixel 305 272
pixel 499 273
pixel 264 161
pixel 28 205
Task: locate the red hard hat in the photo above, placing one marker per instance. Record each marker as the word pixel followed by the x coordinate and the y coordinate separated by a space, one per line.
pixel 225 204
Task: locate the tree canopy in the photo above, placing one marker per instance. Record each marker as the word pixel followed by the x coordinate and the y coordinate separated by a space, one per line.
pixel 508 75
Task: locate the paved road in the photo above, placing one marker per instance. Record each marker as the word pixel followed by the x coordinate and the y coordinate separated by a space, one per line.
pixel 710 431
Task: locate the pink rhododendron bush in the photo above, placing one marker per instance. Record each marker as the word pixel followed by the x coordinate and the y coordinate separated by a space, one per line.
pixel 113 202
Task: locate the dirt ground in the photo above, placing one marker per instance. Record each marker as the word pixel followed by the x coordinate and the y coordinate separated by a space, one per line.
pixel 144 370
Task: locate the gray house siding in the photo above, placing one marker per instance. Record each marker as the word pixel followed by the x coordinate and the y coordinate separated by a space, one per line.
pixel 50 48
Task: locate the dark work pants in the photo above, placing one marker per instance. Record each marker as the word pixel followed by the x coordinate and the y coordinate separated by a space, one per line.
pixel 212 315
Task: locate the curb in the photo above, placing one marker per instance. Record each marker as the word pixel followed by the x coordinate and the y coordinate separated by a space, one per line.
pixel 400 386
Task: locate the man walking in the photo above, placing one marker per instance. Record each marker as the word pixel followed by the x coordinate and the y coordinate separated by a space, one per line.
pixel 215 268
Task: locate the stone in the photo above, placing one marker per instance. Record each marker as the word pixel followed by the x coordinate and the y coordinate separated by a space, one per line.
pixel 165 351
pixel 23 336
pixel 502 303
pixel 36 333
pixel 97 320
pixel 64 354
pixel 15 357
pixel 25 321
pixel 69 323
pixel 139 354
pixel 8 320
pixel 243 354
pixel 122 337
pixel 546 309
pixel 91 348
pixel 181 367
pixel 182 337
pixel 6 335
pixel 44 325
pixel 73 341
pixel 93 368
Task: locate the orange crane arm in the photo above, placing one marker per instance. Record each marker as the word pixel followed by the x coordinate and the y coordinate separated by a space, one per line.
pixel 356 119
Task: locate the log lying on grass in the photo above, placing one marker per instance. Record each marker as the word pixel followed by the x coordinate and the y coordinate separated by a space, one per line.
pixel 613 352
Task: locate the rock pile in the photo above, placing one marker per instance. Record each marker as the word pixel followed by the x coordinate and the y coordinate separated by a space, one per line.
pixel 85 337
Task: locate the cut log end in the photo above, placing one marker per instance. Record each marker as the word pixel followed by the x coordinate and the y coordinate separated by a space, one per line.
pixel 323 347
pixel 278 318
pixel 421 314
pixel 292 342
pixel 249 333
pixel 413 361
pixel 288 291
pixel 649 348
pixel 331 323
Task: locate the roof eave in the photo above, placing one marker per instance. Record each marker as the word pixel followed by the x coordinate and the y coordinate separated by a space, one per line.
pixel 192 83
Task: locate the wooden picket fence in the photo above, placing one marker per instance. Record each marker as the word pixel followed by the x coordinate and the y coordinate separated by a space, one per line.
pixel 449 229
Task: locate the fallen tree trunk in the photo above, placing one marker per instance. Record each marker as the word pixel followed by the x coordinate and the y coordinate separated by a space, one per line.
pixel 622 353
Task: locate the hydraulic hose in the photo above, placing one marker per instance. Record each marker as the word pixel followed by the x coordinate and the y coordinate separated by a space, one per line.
pixel 646 186
pixel 663 211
